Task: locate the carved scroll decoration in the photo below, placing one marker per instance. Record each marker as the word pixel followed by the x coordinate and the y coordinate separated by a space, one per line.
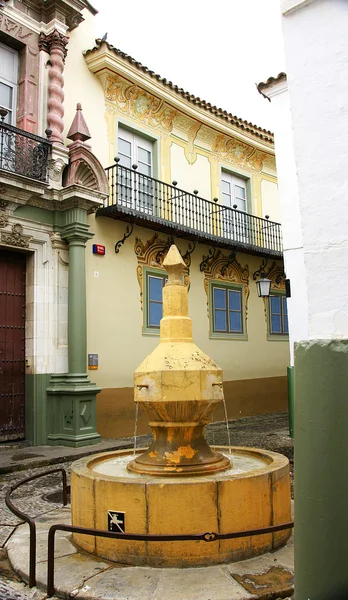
pixel 139 104
pixel 3 214
pixel 232 150
pixel 277 276
pixel 221 268
pixel 151 254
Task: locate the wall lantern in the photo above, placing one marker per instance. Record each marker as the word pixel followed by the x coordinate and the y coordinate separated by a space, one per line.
pixel 263 286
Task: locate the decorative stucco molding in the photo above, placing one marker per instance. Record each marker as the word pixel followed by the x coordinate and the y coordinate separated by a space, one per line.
pixel 236 152
pixel 151 254
pixel 277 276
pixel 135 102
pixel 226 268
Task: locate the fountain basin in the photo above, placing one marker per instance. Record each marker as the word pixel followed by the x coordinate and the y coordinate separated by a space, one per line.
pixel 253 493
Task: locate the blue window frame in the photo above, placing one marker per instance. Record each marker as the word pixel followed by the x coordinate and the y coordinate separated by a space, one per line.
pixel 227 310
pixel 278 315
pixel 154 287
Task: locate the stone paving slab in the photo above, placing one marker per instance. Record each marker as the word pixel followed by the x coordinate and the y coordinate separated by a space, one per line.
pixel 18 459
pixel 86 577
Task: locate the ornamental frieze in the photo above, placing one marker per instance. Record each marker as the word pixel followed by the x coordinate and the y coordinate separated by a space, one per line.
pixel 139 104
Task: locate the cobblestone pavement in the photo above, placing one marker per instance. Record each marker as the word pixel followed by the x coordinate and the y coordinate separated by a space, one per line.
pixel 266 431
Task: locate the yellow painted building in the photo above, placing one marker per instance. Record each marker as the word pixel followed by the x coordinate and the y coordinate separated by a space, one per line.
pixel 143 164
pixel 188 172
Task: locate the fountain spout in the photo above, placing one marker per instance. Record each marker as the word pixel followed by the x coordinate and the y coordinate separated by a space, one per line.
pixel 179 387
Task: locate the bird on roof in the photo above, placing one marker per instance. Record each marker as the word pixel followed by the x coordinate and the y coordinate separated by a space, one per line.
pixel 103 39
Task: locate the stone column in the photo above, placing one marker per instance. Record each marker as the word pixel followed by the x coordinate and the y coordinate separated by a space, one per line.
pixel 76 236
pixel 55 44
pixel 72 414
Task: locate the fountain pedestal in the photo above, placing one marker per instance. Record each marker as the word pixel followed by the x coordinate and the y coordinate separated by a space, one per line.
pixel 180 485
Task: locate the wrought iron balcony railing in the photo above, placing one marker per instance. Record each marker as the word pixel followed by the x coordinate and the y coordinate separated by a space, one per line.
pixel 23 153
pixel 151 201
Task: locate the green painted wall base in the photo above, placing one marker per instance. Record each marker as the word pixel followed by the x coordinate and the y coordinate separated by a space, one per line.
pixel 291 394
pixel 321 474
pixel 35 408
pixel 72 411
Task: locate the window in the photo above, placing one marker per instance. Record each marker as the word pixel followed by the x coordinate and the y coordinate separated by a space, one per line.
pixel 8 82
pixel 278 315
pixel 234 195
pixel 154 282
pixel 135 188
pixel 227 317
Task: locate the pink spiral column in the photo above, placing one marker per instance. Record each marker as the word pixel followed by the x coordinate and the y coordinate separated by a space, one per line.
pixel 55 44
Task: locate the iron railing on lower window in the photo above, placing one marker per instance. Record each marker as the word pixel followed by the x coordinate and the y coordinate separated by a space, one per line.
pixel 134 193
pixel 23 153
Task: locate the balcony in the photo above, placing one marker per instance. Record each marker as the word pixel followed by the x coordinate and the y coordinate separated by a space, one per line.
pixel 151 203
pixel 23 153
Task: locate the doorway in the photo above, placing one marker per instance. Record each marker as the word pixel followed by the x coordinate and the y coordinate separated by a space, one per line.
pixel 12 345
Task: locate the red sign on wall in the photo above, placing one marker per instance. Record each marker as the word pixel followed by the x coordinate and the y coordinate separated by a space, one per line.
pixel 98 249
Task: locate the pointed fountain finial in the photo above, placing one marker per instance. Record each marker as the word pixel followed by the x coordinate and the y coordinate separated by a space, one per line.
pixel 174 265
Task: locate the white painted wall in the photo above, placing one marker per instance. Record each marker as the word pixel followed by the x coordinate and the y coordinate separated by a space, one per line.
pixel 316 48
pixel 290 215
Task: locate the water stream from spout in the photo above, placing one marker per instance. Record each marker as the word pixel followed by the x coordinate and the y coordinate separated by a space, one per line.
pixel 213 428
pixel 227 427
pixel 135 427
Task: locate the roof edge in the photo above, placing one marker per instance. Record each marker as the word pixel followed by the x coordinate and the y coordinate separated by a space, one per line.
pixel 261 133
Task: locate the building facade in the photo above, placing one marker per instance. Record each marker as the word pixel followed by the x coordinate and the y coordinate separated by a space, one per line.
pixel 88 234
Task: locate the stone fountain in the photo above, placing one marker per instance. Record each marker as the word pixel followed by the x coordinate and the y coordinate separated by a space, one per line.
pixel 180 485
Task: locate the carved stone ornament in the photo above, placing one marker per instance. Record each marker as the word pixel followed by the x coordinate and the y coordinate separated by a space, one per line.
pixel 220 267
pixel 16 237
pixel 139 104
pixel 152 254
pixel 3 219
pixel 14 29
pixel 3 215
pixel 55 168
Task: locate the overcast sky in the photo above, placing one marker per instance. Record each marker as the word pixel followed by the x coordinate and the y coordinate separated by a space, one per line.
pixel 214 50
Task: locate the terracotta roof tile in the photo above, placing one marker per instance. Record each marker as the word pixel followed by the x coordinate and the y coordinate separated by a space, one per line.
pixel 263 134
pixel 264 84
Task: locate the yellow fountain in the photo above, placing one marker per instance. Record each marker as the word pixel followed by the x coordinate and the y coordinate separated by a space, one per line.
pixel 180 485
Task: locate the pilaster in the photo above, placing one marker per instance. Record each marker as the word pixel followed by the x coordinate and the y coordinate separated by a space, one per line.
pixel 72 417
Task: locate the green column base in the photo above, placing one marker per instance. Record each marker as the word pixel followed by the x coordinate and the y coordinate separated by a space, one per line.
pixel 72 411
pixel 321 474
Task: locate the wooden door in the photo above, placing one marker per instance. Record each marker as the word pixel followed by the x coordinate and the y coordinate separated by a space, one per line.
pixel 12 345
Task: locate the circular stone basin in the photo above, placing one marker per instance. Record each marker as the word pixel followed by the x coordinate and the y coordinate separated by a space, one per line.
pixel 254 493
